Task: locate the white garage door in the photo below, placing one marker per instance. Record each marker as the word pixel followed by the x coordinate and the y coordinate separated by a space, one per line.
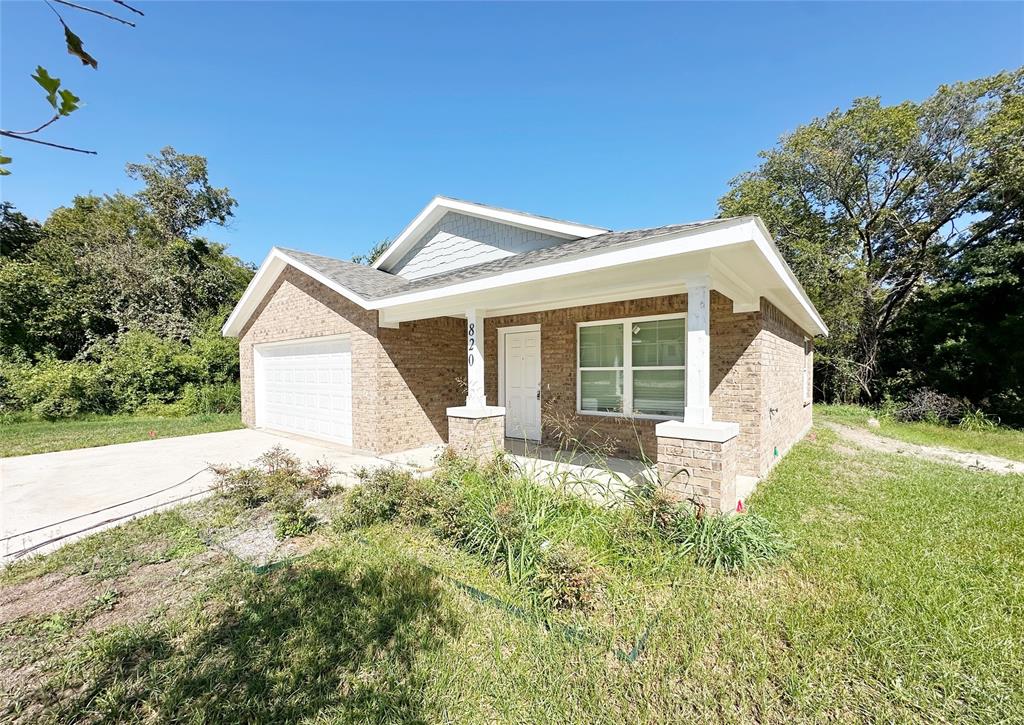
pixel 305 387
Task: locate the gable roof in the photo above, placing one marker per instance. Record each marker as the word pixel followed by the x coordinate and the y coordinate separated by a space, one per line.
pixel 373 284
pixel 441 205
pixel 373 288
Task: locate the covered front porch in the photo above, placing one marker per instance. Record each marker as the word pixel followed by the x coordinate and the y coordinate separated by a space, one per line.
pixel 682 316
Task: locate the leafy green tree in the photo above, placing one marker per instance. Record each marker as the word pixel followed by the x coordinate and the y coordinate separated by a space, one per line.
pixel 962 336
pixel 178 193
pixel 375 251
pixel 18 233
pixel 870 203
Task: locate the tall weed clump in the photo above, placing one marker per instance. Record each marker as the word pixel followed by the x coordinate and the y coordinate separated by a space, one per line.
pixel 727 542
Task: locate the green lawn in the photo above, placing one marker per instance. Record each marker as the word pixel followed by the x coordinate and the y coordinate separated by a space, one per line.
pixel 1004 442
pixel 901 601
pixel 20 438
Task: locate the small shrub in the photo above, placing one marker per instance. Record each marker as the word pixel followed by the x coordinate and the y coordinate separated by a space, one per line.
pixel 211 399
pixel 566 579
pixel 276 475
pixel 380 496
pixel 977 420
pixel 505 523
pixel 318 479
pixel 244 486
pixel 292 518
pixel 731 542
pixel 278 459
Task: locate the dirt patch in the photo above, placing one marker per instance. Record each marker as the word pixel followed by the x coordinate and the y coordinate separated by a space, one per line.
pixel 46 595
pixel 165 587
pixel 973 461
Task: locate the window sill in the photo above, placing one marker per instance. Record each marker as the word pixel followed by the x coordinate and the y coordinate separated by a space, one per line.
pixel 637 416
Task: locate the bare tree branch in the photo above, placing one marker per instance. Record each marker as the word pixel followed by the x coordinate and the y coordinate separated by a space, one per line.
pixel 18 137
pixel 94 12
pixel 56 116
pixel 126 5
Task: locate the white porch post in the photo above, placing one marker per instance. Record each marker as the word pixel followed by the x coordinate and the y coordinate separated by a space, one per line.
pixel 698 351
pixel 475 397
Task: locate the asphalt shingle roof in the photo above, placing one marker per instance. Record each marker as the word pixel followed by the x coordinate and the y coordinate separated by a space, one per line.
pixel 372 283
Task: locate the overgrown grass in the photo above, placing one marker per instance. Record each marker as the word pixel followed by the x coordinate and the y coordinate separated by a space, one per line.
pixel 21 436
pixel 997 441
pixel 902 600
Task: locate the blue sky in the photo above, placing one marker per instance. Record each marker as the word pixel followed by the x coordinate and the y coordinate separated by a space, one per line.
pixel 333 124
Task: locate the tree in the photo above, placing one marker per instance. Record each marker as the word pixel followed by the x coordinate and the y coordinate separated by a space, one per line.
pixel 18 233
pixel 870 203
pixel 104 266
pixel 178 193
pixel 962 336
pixel 375 251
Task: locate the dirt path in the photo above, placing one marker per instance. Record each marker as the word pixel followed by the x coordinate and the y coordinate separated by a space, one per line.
pixel 973 461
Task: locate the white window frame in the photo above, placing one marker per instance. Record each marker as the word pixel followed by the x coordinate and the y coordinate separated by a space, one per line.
pixel 627 366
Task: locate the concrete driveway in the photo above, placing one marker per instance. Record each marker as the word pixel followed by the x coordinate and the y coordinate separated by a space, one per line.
pixel 69 494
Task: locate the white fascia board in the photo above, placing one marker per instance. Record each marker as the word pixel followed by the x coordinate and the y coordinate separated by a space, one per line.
pixel 268 272
pixel 763 238
pixel 440 205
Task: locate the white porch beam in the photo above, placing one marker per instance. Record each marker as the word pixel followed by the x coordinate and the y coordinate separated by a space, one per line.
pixel 698 350
pixel 743 296
pixel 475 397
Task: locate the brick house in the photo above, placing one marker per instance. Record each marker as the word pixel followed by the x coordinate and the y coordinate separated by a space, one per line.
pixel 688 343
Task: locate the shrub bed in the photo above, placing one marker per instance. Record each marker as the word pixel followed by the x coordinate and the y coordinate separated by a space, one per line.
pixel 556 547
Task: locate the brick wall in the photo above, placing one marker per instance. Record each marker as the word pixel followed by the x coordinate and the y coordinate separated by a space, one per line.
pixel 736 379
pixel 418 373
pixel 786 412
pixel 402 380
pixel 752 362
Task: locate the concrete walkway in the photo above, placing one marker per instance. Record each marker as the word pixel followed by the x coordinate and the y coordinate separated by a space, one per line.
pixel 74 493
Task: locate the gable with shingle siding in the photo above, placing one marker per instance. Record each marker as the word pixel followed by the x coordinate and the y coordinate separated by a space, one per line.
pixel 460 240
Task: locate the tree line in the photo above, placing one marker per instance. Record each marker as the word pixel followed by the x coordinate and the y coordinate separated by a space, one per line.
pixel 115 302
pixel 903 223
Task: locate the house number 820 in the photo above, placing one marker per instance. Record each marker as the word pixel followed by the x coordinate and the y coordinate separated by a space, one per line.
pixel 472 341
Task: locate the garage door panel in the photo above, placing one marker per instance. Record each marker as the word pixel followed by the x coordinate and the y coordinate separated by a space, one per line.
pixel 306 388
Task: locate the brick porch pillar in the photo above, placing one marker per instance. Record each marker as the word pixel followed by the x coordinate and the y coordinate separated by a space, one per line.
pixel 476 430
pixel 699 462
pixel 477 433
pixel 697 457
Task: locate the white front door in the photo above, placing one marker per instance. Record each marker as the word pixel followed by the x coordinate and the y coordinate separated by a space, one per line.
pixel 305 387
pixel 522 384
